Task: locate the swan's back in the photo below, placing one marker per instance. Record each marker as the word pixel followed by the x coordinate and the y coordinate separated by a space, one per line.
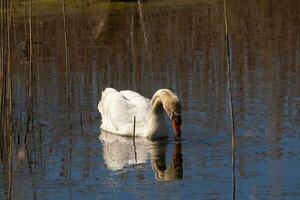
pixel 118 110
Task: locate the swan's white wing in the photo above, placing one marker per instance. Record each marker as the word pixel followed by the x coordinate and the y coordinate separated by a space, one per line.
pixel 118 112
pixel 136 99
pixel 115 111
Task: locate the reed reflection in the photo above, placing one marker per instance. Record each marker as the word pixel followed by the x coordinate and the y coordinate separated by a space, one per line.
pixel 121 152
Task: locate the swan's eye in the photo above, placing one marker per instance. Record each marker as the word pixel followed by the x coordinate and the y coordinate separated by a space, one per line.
pixel 173 115
pixel 177 118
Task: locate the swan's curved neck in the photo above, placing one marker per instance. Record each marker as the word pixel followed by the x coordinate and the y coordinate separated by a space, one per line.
pixel 156 126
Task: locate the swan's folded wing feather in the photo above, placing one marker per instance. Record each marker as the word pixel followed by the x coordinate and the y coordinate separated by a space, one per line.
pixel 118 110
pixel 113 107
pixel 136 99
pixel 140 109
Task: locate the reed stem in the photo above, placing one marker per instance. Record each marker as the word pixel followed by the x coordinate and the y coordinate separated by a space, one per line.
pixel 233 135
pixel 142 23
pixel 30 100
pixel 133 138
pixel 9 97
pixel 38 88
pixel 2 80
pixel 66 64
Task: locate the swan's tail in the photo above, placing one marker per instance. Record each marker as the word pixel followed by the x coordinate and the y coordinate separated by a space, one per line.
pixel 104 95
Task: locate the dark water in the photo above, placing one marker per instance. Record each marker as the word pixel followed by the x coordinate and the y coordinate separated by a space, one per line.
pixel 171 45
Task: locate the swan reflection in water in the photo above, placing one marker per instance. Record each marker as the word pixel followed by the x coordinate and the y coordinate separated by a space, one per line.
pixel 120 152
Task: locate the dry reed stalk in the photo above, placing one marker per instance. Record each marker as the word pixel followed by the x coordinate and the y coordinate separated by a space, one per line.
pixel 132 48
pixel 132 39
pixel 142 23
pixel 38 76
pixel 6 79
pixel 2 80
pixel 3 122
pixel 67 87
pixel 29 161
pixel 133 138
pixel 66 64
pixel 18 120
pixel 81 100
pixel 38 88
pixel 29 80
pixel 2 57
pixel 233 135
pixel 81 111
pixel 9 96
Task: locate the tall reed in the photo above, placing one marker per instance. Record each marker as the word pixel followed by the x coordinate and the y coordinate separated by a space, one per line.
pixel 3 82
pixel 9 101
pixel 142 23
pixel 233 135
pixel 38 86
pixel 6 130
pixel 29 80
pixel 67 87
pixel 133 139
pixel 1 78
pixel 67 64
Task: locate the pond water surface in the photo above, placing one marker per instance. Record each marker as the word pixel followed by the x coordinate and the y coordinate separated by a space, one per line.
pixel 160 45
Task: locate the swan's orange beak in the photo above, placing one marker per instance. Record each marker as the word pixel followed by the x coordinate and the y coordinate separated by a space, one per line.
pixel 176 122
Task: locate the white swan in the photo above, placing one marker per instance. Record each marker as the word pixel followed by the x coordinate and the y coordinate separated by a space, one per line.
pixel 120 152
pixel 118 110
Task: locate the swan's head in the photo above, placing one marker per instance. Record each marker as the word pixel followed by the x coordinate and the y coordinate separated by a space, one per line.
pixel 174 112
pixel 172 107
